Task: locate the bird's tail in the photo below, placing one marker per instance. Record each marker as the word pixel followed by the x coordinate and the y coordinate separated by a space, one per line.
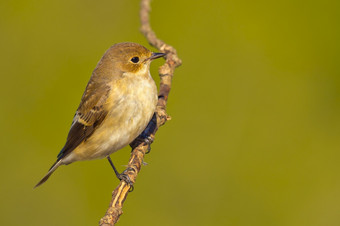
pixel 52 169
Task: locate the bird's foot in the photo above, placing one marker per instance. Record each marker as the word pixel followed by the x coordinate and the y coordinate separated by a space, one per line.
pixel 124 177
pixel 149 141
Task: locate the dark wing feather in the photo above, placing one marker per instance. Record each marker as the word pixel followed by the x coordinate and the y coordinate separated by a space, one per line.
pixel 90 114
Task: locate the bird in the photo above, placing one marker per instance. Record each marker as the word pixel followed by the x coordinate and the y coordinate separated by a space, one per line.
pixel 118 103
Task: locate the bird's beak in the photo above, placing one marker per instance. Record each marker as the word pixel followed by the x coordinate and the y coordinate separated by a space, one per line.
pixel 156 55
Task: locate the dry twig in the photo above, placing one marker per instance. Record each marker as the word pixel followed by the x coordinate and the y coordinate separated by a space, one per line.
pixel 137 155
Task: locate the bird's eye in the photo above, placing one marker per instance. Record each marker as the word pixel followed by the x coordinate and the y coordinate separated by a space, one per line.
pixel 135 60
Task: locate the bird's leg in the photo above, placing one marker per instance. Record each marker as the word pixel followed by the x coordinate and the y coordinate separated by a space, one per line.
pixel 121 176
pixel 145 136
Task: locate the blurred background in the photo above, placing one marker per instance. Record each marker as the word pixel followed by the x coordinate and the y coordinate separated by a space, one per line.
pixel 255 132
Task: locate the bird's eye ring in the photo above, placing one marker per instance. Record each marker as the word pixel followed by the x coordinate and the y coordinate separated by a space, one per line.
pixel 135 60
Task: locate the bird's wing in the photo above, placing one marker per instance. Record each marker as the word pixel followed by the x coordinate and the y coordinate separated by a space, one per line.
pixel 89 115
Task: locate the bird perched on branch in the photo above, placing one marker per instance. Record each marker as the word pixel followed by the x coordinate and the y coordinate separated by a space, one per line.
pixel 117 105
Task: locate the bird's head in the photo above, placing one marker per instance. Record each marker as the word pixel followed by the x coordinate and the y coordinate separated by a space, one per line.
pixel 127 57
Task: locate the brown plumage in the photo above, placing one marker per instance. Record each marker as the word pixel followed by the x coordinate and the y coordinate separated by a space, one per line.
pixel 118 102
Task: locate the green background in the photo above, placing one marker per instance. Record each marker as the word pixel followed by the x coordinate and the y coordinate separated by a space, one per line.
pixel 255 132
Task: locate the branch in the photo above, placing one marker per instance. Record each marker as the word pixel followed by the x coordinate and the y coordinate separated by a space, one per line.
pixel 137 155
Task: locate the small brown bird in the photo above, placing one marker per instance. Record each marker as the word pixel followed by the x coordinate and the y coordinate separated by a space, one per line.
pixel 117 105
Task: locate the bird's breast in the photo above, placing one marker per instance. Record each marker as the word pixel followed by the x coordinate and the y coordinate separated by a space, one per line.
pixel 131 104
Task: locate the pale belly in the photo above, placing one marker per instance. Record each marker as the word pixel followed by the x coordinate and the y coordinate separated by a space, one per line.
pixel 123 123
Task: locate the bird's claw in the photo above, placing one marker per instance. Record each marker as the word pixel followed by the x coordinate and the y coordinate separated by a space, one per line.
pixel 148 140
pixel 148 150
pixel 127 180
